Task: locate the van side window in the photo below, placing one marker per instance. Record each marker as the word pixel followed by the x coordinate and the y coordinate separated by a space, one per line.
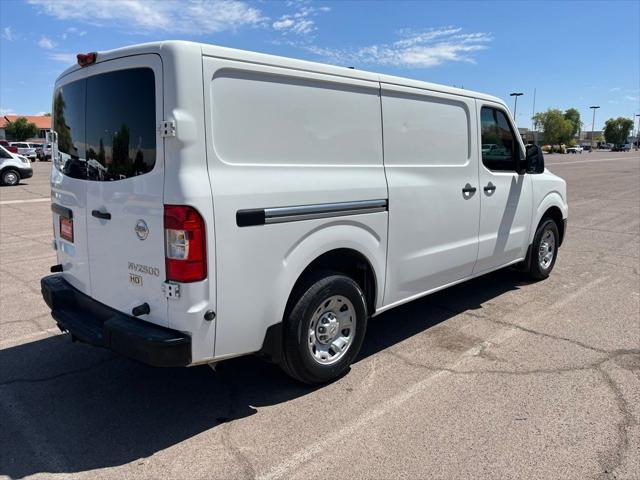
pixel 500 149
pixel 4 154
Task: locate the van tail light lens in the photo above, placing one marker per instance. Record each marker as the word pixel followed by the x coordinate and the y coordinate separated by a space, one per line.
pixel 185 244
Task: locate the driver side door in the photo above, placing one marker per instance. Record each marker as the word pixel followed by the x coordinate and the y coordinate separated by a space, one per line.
pixel 506 200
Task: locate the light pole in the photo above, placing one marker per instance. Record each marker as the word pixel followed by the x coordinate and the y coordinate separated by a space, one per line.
pixel 515 103
pixel 593 123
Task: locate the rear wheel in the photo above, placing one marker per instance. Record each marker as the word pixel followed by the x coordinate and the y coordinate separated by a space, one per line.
pixel 544 249
pixel 324 329
pixel 10 177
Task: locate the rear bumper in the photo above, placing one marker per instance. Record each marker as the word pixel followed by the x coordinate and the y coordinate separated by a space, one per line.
pixel 92 322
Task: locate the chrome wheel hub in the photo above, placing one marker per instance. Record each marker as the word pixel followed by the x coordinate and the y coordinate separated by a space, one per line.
pixel 327 328
pixel 11 178
pixel 547 249
pixel 331 330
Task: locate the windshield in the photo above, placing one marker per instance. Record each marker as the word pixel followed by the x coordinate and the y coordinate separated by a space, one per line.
pixel 4 153
pixel 106 125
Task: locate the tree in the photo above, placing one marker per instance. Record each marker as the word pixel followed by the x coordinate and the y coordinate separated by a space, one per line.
pixel 573 116
pixel 616 130
pixel 21 129
pixel 557 129
pixel 101 153
pixel 120 152
pixel 65 144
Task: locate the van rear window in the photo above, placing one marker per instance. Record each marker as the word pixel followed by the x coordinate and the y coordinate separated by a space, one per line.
pixel 106 125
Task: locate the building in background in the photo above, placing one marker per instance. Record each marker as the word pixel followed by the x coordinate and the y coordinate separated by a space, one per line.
pixel 586 135
pixel 531 136
pixel 42 122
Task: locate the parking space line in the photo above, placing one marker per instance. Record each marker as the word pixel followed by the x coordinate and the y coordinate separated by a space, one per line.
pixel 594 160
pixel 307 453
pixel 30 200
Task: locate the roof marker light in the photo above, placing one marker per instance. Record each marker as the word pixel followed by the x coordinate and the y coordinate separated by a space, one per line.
pixel 85 59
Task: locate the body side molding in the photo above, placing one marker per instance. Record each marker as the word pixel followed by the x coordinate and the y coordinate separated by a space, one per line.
pixel 266 216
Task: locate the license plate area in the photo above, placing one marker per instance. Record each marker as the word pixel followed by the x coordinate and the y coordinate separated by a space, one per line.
pixel 66 229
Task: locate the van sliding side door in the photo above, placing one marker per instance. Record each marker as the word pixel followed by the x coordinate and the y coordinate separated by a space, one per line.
pixel 431 162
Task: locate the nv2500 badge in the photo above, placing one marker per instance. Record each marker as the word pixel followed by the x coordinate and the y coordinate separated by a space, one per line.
pixel 145 269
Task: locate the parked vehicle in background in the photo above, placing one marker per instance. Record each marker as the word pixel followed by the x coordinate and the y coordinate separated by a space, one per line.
pixel 575 149
pixel 8 146
pixel 38 148
pixel 586 148
pixel 487 147
pixel 13 167
pixel 46 151
pixel 251 176
pixel 25 149
pixel 623 147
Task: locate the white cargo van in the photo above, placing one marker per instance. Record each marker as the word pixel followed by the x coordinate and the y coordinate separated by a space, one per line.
pixel 13 167
pixel 210 203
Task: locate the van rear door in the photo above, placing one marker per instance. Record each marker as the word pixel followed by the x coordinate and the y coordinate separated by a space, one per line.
pixel 125 184
pixel 68 180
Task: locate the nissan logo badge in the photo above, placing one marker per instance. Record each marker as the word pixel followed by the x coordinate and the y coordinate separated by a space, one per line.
pixel 142 230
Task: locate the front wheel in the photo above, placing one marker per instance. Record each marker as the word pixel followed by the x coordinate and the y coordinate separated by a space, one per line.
pixel 10 177
pixel 324 329
pixel 544 249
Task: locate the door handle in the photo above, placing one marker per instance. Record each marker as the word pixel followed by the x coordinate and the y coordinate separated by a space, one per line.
pixel 490 188
pixel 101 215
pixel 469 189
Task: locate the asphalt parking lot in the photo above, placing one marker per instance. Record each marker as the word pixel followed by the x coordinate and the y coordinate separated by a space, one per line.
pixel 494 378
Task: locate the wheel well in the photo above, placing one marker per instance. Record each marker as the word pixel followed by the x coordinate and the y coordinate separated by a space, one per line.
pixel 555 214
pixel 10 168
pixel 350 263
pixel 346 261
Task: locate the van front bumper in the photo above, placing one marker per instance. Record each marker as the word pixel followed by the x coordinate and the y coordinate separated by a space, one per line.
pixel 25 172
pixel 92 322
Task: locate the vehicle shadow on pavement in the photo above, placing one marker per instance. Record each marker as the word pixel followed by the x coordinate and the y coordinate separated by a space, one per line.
pixel 70 408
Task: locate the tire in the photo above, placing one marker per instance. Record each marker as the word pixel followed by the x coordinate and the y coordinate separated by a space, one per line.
pixel 542 259
pixel 328 301
pixel 10 177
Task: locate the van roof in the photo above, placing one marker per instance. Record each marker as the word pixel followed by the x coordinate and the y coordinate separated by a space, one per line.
pixel 176 46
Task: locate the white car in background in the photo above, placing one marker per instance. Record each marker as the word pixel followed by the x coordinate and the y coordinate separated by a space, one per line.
pixel 575 149
pixel 46 151
pixel 13 167
pixel 25 149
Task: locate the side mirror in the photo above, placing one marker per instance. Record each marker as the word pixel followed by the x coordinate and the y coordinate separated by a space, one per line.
pixel 535 159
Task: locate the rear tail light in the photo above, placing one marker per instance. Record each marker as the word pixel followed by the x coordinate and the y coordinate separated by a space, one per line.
pixel 185 248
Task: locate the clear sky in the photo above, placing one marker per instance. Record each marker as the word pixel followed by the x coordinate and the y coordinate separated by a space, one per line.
pixel 575 53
